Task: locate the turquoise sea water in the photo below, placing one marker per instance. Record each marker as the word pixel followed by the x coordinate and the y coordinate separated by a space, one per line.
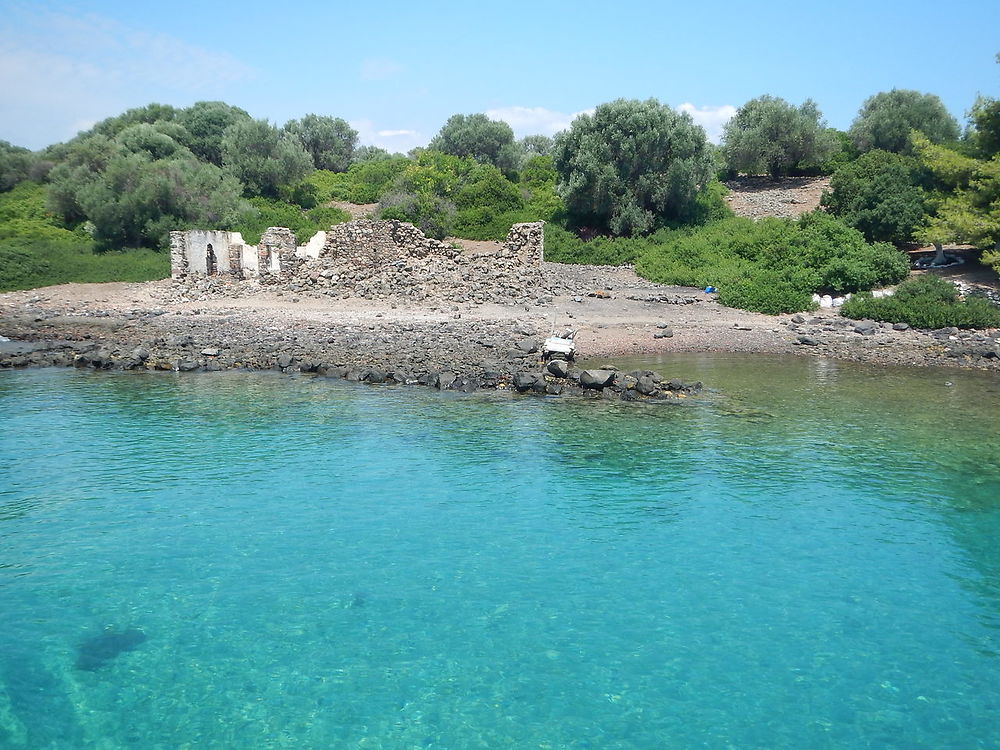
pixel 809 559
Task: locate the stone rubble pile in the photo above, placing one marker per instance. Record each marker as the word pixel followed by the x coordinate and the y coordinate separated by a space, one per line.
pixel 393 260
pixel 760 197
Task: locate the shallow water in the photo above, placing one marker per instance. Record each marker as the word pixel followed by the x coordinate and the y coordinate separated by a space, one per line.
pixel 807 559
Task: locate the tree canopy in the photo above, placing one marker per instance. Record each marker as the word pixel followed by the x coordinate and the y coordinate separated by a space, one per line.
pixel 886 119
pixel 768 134
pixel 16 165
pixel 967 202
pixel 630 165
pixel 205 123
pixel 329 140
pixel 263 158
pixel 485 140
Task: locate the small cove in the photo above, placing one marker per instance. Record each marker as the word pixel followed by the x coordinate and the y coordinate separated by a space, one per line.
pixel 806 558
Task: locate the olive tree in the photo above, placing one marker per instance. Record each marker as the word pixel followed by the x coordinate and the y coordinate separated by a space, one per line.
pixel 16 165
pixel 485 140
pixel 769 135
pixel 263 158
pixel 206 122
pixel 329 140
pixel 886 119
pixel 136 201
pixel 630 165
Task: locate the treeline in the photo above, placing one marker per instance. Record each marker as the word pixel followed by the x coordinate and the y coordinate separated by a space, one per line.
pixel 634 182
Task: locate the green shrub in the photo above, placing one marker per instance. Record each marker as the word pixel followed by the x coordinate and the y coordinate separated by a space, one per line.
pixel 486 187
pixel 765 292
pixel 878 194
pixel 274 213
pixel 431 214
pixel 329 185
pixel 364 182
pixel 325 217
pixel 25 201
pixel 34 254
pixel 562 246
pixel 772 265
pixel 925 302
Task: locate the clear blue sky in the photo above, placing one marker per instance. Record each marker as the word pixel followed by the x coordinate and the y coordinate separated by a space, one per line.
pixel 398 70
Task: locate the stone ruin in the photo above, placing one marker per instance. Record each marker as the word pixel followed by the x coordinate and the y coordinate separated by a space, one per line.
pixel 371 259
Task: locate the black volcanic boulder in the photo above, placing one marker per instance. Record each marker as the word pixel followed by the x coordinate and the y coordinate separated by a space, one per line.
pixel 596 379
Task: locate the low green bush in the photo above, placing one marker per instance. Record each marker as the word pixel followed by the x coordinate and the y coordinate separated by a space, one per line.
pixel 562 246
pixel 773 265
pixel 925 302
pixel 274 213
pixel 765 292
pixel 432 215
pixel 363 182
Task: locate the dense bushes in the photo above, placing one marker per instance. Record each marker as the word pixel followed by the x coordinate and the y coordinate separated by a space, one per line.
pixel 773 265
pixel 925 302
pixel 562 246
pixel 879 195
pixel 430 213
pixel 35 252
pixel 444 194
pixel 273 213
pixel 364 182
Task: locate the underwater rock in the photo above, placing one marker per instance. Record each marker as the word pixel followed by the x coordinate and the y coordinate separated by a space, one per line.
pixel 98 650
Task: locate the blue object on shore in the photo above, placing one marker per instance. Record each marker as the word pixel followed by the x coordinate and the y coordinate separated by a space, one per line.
pixel 709 289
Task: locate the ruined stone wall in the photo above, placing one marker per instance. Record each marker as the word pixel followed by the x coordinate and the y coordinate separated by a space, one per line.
pixel 206 252
pixel 378 259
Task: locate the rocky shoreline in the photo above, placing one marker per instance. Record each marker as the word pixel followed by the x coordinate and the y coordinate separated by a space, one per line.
pixel 442 344
pixel 450 356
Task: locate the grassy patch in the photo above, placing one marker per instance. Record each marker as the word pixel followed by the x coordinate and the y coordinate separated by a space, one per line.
pixel 35 252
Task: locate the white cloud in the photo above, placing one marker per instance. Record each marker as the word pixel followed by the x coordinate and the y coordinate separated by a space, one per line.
pixel 711 118
pixel 379 69
pixel 534 120
pixel 59 70
pixel 391 139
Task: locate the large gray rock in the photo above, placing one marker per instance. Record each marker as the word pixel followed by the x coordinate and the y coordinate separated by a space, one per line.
pixel 528 345
pixel 558 367
pixel 646 385
pixel 597 378
pixel 524 381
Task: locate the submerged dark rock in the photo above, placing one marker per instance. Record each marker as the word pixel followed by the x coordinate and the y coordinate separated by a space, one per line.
pixel 96 651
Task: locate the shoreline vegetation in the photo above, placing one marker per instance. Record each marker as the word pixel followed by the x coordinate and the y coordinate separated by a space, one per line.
pixel 640 211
